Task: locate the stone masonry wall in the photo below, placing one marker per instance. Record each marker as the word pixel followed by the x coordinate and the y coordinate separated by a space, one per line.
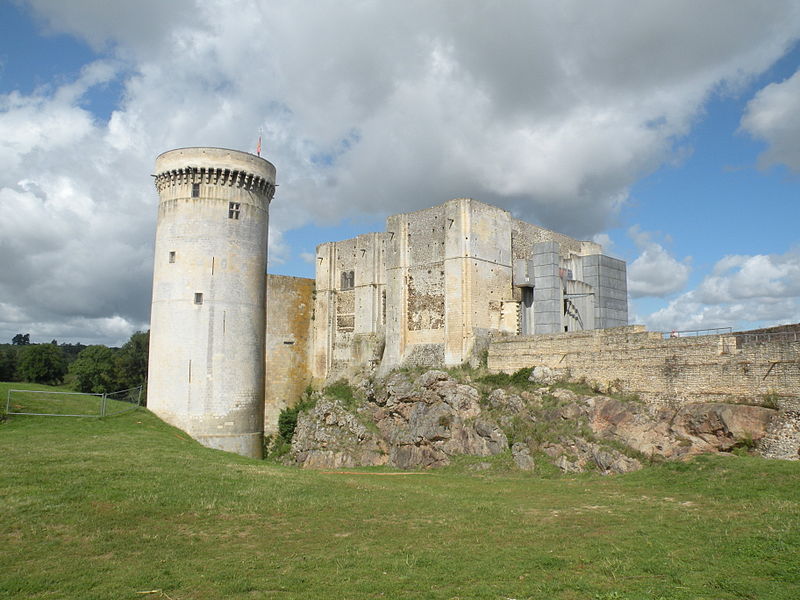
pixel 680 370
pixel 290 303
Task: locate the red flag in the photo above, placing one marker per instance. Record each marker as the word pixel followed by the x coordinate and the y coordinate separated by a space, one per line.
pixel 258 148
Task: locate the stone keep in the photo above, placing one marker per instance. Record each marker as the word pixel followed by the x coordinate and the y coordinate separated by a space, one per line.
pixel 206 373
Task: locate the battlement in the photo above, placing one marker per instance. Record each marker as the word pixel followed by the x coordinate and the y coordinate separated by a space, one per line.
pixel 215 166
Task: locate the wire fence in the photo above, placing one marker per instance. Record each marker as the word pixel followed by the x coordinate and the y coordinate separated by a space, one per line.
pixel 45 403
pixel 696 332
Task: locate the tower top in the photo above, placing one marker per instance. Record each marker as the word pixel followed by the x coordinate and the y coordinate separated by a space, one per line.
pixel 215 158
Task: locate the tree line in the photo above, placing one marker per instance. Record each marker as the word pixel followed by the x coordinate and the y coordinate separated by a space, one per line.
pixel 97 369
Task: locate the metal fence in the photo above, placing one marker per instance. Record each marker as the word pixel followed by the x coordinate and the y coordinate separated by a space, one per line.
pixel 46 403
pixel 697 332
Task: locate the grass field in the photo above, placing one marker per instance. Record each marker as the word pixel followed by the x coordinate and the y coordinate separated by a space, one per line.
pixel 112 508
pixel 22 397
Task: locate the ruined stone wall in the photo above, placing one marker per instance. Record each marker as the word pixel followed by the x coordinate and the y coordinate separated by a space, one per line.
pixel 690 369
pixel 448 273
pixel 290 304
pixel 525 235
pixel 350 304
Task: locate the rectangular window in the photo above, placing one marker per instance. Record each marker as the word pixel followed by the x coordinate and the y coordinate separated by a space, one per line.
pixel 233 210
pixel 198 297
pixel 195 190
pixel 172 256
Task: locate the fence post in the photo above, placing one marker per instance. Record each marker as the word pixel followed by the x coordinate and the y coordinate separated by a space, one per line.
pixel 103 405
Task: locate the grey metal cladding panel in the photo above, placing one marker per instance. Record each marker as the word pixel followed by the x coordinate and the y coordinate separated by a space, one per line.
pixel 547 318
pixel 611 290
pixel 546 271
pixel 543 294
pixel 610 304
pixel 607 315
pixel 591 261
pixel 590 272
pixel 548 258
pixel 612 307
pixel 520 274
pixel 544 247
pixel 613 263
pixel 610 283
pixel 613 273
pixel 611 293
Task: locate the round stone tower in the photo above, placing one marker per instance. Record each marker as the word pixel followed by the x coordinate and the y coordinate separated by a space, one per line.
pixel 207 329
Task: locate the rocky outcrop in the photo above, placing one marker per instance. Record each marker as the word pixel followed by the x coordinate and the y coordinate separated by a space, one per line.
pixel 329 437
pixel 424 421
pixel 668 433
pixel 418 423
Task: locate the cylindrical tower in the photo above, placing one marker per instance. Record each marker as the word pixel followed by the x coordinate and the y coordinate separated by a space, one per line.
pixel 207 327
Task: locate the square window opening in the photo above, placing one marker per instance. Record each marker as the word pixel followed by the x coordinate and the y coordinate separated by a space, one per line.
pixel 172 256
pixel 198 297
pixel 348 280
pixel 195 190
pixel 233 210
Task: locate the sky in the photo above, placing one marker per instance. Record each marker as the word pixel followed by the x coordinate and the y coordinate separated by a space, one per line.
pixel 668 131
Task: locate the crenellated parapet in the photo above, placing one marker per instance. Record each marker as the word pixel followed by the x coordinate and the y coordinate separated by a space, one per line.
pixel 215 176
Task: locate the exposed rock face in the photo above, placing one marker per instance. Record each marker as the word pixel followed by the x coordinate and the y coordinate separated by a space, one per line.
pixel 419 423
pixel 692 429
pixel 329 437
pixel 522 456
pixel 424 422
pixel 547 375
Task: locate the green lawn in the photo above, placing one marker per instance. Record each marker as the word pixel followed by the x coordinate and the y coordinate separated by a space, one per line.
pixel 109 508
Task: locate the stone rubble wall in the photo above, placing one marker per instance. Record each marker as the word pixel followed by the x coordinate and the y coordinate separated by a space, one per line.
pixel 662 371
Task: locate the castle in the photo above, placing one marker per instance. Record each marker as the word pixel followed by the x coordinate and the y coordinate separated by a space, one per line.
pixel 430 290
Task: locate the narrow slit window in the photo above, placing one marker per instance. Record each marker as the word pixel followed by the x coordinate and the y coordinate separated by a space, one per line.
pixel 198 297
pixel 195 190
pixel 233 210
pixel 172 256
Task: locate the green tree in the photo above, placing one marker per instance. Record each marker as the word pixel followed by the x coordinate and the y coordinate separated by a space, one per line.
pixel 131 361
pixel 8 364
pixel 21 340
pixel 41 363
pixel 94 370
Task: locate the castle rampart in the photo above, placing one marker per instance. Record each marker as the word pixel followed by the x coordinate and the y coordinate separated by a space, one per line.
pixel 709 368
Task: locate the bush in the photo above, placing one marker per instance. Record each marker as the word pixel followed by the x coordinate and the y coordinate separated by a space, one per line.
pixel 520 379
pixel 771 400
pixel 287 419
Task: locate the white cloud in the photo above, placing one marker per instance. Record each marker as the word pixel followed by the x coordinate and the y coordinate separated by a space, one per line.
pixel 773 116
pixel 308 257
pixel 742 292
pixel 553 111
pixel 655 272
pixel 604 240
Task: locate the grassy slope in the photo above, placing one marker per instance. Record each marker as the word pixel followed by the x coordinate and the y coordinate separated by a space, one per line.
pixel 107 508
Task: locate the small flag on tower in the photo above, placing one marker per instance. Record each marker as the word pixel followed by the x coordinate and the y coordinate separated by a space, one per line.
pixel 258 147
